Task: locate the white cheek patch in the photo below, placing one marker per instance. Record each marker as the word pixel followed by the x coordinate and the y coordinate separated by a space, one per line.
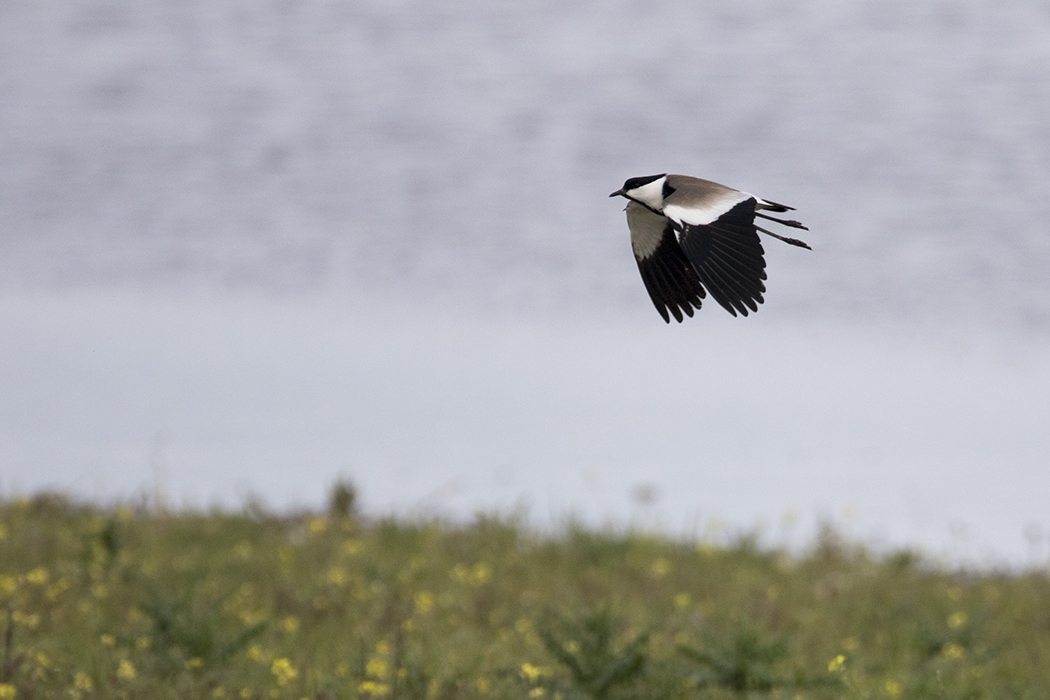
pixel 651 193
pixel 647 229
pixel 705 210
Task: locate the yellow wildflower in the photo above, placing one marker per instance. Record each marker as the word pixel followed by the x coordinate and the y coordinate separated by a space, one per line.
pixel 83 682
pixel 30 620
pixel 337 576
pixel 532 673
pixel 957 619
pixel 8 691
pixel 376 668
pixel 290 624
pixel 126 670
pixel 195 662
pixel 284 671
pixel 424 602
pixel 57 588
pixel 318 525
pixel 660 568
pixel 836 664
pixel 894 689
pixel 257 653
pixel 537 693
pixel 682 600
pixel 107 640
pixel 460 573
pixel 38 576
pixel 481 573
pixel 372 688
pixel 483 686
pixel 478 575
pixel 251 617
pixel 953 651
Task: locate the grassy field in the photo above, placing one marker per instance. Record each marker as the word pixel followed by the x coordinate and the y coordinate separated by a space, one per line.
pixel 129 602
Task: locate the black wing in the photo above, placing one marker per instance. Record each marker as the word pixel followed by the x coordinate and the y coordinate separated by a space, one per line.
pixel 728 257
pixel 669 278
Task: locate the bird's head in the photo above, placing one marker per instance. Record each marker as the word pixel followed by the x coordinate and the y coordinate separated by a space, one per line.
pixel 648 190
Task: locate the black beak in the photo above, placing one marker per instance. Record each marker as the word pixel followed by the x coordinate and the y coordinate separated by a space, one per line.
pixel 618 193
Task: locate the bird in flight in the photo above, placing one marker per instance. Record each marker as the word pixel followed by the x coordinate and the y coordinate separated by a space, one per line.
pixel 693 236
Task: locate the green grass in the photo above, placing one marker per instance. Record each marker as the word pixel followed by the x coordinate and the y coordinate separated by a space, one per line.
pixel 126 602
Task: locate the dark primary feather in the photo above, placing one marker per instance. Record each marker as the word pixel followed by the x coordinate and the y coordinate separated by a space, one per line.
pixel 728 258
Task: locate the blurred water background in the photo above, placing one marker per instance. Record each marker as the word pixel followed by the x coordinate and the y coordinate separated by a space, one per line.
pixel 247 247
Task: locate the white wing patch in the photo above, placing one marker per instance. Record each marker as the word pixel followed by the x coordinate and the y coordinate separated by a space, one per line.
pixel 647 229
pixel 705 210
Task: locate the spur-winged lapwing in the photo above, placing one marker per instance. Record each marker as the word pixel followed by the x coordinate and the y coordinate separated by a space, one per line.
pixel 693 236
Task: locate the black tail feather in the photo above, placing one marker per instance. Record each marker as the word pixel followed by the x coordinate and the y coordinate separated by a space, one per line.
pixel 787 222
pixel 774 206
pixel 791 241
